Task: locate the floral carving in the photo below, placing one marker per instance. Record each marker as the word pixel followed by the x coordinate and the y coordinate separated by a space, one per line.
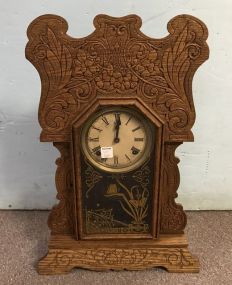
pixel 144 60
pixel 87 63
pixel 116 81
pixel 117 59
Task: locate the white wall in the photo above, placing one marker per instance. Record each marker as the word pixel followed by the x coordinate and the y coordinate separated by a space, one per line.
pixel 27 166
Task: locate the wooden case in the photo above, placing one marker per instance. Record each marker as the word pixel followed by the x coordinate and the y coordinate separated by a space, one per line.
pixel 117 65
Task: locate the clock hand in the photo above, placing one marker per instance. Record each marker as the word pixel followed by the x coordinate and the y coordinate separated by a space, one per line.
pixel 117 126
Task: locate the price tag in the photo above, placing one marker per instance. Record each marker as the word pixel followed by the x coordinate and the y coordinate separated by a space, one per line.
pixel 107 152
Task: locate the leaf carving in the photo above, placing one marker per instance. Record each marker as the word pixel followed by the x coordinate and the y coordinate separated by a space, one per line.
pixel 66 67
pixel 58 64
pixel 55 46
pixel 176 63
pixel 180 43
pixel 168 69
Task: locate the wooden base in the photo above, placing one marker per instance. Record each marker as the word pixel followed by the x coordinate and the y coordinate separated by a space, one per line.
pixel 170 252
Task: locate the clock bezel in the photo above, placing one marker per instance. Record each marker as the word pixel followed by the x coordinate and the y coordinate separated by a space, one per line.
pixel 150 138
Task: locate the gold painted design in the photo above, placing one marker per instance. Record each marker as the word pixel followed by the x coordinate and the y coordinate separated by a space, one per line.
pixel 142 176
pixel 102 221
pixel 133 201
pixel 112 189
pixel 101 218
pixel 92 177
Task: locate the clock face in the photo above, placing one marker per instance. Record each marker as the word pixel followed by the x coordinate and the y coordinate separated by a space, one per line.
pixel 117 139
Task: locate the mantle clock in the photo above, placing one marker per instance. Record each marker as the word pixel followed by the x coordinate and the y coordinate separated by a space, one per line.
pixel 117 104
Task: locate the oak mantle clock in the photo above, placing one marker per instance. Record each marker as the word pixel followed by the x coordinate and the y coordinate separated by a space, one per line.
pixel 117 104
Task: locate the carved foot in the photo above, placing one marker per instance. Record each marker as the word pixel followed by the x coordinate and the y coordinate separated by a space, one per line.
pixel 181 260
pixel 55 262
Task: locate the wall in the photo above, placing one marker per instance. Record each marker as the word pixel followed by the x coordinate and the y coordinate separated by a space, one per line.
pixel 27 166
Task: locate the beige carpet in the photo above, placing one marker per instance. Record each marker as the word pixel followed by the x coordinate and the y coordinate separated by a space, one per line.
pixel 23 241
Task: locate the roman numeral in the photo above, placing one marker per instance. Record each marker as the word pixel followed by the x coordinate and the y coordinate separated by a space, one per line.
pixel 138 139
pixel 136 129
pixel 104 119
pixel 128 120
pixel 97 150
pixel 117 116
pixel 100 130
pixel 135 150
pixel 127 157
pixel 93 139
pixel 103 159
pixel 115 160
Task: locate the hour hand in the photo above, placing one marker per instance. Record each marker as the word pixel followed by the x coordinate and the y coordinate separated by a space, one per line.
pixel 117 126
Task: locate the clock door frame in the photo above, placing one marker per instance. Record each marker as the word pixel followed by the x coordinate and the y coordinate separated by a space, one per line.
pixel 77 174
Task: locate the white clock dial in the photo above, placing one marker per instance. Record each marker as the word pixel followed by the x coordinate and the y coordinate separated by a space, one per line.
pixel 117 139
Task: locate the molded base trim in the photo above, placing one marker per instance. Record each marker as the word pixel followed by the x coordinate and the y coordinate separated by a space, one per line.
pixel 170 252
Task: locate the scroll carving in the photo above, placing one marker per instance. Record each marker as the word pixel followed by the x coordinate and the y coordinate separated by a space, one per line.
pixel 173 217
pixel 60 220
pixel 173 259
pixel 117 59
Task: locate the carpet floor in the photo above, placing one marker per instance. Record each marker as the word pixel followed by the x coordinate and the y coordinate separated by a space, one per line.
pixel 24 236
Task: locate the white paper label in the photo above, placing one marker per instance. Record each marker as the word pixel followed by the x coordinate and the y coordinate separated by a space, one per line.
pixel 107 152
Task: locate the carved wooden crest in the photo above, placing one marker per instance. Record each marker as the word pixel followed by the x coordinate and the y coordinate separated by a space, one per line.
pixel 116 59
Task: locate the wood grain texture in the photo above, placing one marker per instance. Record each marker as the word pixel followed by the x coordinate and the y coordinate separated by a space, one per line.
pixel 116 59
pixel 60 219
pixel 169 252
pixel 173 218
pixel 117 65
